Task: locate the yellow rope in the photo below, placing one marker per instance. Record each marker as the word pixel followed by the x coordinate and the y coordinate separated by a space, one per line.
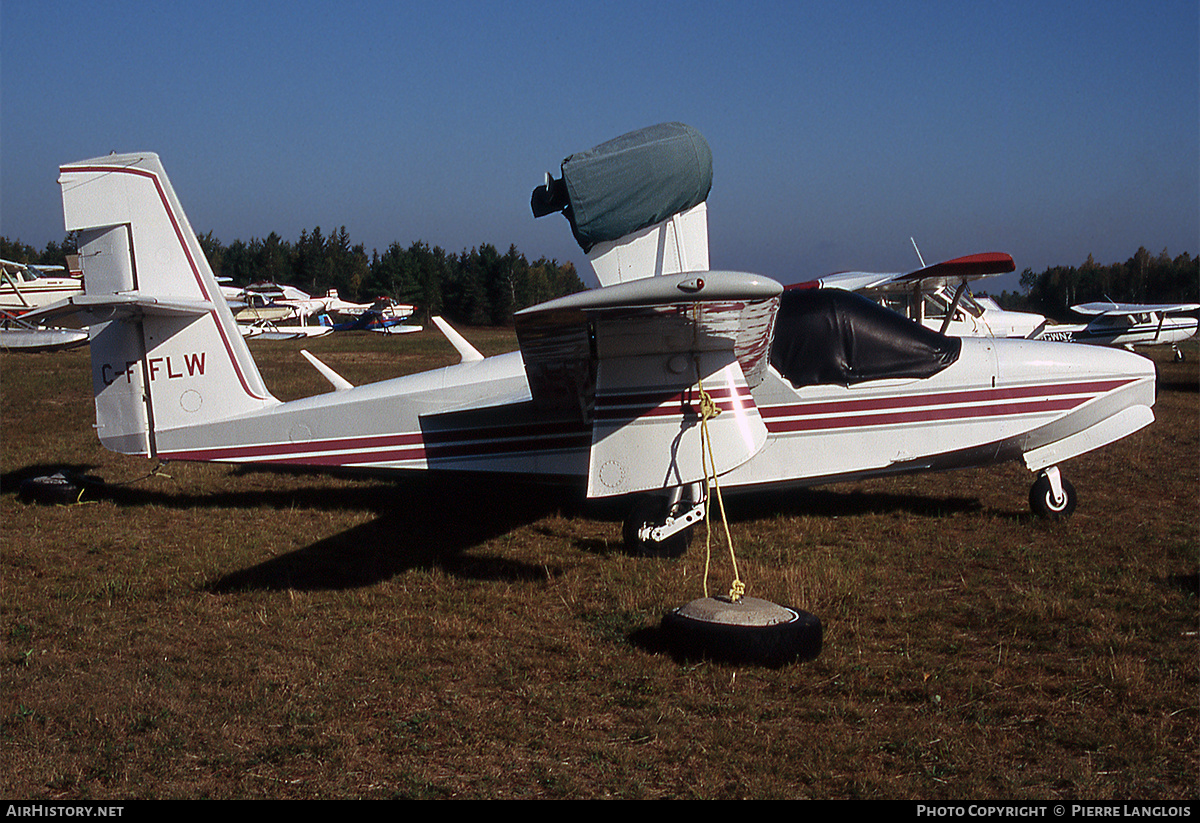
pixel 709 409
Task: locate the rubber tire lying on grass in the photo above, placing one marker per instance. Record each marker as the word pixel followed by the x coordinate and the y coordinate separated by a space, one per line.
pixel 749 631
pixel 60 488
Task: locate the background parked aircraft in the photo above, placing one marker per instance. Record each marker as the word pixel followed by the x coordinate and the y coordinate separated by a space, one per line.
pixel 1129 325
pixel 271 311
pixel 939 298
pixel 25 287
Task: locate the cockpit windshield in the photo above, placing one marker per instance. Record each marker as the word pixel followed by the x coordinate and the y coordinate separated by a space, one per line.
pixel 934 304
pixel 830 336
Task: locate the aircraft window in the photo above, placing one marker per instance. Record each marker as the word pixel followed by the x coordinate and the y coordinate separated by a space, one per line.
pixel 935 306
pixel 969 305
pixel 901 303
pixel 830 336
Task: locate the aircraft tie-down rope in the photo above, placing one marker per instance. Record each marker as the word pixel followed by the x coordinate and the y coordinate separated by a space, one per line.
pixel 708 410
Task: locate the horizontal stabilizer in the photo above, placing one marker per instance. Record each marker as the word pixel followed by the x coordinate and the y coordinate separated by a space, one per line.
pixel 89 310
pixel 168 361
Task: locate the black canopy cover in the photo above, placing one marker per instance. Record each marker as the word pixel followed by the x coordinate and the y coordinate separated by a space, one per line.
pixel 830 336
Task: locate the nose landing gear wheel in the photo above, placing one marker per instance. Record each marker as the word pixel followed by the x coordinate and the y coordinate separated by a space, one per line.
pixel 1043 503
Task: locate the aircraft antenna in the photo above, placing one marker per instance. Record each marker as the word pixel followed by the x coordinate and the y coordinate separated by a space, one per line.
pixel 918 251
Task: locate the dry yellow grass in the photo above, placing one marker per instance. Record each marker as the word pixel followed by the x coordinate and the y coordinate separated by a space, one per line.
pixel 220 633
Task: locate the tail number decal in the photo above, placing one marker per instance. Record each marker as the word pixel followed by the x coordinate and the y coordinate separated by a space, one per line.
pixel 169 367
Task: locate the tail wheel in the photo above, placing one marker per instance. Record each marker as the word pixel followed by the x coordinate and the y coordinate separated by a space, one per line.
pixel 1043 503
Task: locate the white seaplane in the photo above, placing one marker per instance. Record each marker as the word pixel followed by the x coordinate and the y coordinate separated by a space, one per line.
pixel 25 287
pixel 270 311
pixel 665 378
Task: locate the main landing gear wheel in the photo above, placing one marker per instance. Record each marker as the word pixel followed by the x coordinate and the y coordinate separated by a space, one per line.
pixel 1043 502
pixel 650 511
pixel 748 631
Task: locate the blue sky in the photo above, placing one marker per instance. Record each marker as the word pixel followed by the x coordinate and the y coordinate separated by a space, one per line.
pixel 1050 130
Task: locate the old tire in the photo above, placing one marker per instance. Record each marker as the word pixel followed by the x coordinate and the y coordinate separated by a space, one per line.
pixel 749 631
pixel 52 489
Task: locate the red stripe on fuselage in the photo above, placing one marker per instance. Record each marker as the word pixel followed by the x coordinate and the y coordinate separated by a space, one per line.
pixel 412 446
pixel 893 410
pixel 532 439
pixel 922 415
pixel 635 405
pixel 940 399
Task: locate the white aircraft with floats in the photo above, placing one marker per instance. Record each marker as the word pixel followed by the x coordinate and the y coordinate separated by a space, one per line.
pixel 270 311
pixel 667 377
pixel 384 316
pixel 25 287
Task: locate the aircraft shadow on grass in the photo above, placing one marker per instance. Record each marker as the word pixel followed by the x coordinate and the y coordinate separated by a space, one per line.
pixel 422 523
pixel 418 527
pixel 426 522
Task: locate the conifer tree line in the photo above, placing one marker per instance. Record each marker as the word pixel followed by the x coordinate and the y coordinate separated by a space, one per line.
pixel 475 287
pixel 1143 278
pixel 483 287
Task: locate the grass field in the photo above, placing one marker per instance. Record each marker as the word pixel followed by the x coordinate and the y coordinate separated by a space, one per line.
pixel 208 632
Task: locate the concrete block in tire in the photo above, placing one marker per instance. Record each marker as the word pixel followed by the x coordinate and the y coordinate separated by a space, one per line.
pixel 748 631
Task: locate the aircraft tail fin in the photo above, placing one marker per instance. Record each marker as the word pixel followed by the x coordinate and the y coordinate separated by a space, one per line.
pixel 166 352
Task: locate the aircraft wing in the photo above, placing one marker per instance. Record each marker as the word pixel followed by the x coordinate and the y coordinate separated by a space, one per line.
pixel 1122 309
pixel 36 268
pixel 632 359
pixel 949 273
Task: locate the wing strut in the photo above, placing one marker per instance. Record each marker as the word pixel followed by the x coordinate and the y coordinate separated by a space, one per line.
pixel 958 293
